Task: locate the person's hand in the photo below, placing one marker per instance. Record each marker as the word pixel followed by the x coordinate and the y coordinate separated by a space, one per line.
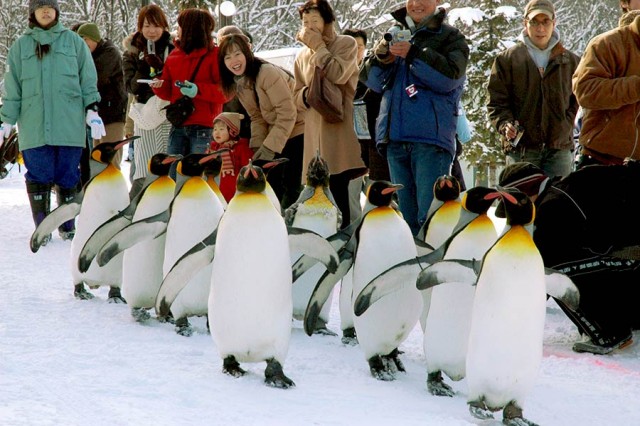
pixel 311 38
pixel 400 48
pixel 381 50
pixel 509 130
pixel 156 83
pixel 5 131
pixel 95 123
pixel 264 153
pixel 189 89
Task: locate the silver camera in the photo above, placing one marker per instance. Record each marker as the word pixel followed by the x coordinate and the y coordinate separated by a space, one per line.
pixel 398 35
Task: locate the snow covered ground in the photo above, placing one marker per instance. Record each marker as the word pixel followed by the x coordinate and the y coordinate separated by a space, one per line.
pixel 70 362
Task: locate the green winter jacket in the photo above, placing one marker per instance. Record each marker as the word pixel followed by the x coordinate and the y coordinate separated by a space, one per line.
pixel 47 97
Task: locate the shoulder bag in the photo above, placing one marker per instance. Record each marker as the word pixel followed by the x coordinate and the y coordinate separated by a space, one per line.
pixel 180 110
pixel 325 96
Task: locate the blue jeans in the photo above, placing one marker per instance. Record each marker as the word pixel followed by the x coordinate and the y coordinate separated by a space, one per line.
pixel 188 140
pixel 554 162
pixel 416 166
pixel 56 165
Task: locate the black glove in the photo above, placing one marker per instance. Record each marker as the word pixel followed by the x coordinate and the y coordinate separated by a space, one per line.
pixel 154 61
pixel 381 147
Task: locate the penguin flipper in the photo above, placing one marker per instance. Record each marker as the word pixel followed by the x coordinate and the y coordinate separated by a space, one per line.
pixel 337 241
pixel 183 270
pixel 387 282
pixel 141 230
pixel 422 247
pixel 449 271
pixel 325 285
pixel 99 238
pixel 60 215
pixel 560 286
pixel 314 245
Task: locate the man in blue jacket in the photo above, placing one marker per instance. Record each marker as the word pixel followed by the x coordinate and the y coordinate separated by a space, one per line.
pixel 419 67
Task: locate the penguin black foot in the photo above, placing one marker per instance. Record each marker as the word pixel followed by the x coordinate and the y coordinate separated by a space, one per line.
pixel 45 240
pixel 321 328
pixel 512 416
pixel 349 336
pixel 479 410
pixel 115 296
pixel 274 376
pixel 394 362
pixel 81 293
pixel 166 318
pixel 437 386
pixel 140 314
pixel 232 367
pixel 183 328
pixel 380 369
pixel 67 235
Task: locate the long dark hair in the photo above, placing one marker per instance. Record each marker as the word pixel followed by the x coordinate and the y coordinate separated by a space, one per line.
pixel 227 44
pixel 196 25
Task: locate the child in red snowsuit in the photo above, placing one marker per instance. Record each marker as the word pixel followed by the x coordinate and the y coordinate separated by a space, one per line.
pixel 226 127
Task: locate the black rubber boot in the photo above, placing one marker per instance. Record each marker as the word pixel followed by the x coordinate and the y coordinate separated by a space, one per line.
pixel 64 195
pixel 40 200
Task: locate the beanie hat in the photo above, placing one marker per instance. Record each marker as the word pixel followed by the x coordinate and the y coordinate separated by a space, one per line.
pixel 35 4
pixel 524 176
pixel 536 7
pixel 91 31
pixel 232 120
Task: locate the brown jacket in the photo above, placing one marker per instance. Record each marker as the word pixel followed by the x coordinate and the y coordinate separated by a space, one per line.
pixel 275 119
pixel 607 85
pixel 543 104
pixel 337 143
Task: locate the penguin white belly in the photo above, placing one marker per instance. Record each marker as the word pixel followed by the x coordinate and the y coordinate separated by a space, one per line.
pixel 384 240
pixel 195 214
pixel 345 301
pixel 448 324
pixel 142 263
pixel 505 342
pixel 322 221
pixel 250 300
pixel 105 196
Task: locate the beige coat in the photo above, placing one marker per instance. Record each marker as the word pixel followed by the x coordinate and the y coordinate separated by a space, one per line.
pixel 337 142
pixel 275 119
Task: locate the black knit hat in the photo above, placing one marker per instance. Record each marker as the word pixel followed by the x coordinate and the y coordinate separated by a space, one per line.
pixel 34 4
pixel 526 177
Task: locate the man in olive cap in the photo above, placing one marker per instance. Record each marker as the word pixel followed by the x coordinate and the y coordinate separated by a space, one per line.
pixel 531 103
pixel 586 226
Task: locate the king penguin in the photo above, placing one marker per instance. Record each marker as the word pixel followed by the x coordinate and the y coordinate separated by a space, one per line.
pixel 446 331
pixel 317 211
pixel 384 239
pixel 103 196
pixel 507 320
pixel 195 213
pixel 142 263
pixel 250 303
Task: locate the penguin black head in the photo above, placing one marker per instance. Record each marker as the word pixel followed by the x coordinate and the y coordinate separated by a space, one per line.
pixel 318 172
pixel 380 192
pixel 105 151
pixel 213 167
pixel 160 164
pixel 194 164
pixel 251 179
pixel 518 207
pixel 478 199
pixel 446 188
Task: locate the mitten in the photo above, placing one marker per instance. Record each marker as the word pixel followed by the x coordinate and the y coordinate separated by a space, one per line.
pixel 264 153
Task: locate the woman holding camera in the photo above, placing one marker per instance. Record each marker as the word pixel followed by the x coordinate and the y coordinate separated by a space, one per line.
pixel 336 142
pixel 191 71
pixel 143 59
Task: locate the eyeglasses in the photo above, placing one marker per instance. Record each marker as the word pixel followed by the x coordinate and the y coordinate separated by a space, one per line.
pixel 546 23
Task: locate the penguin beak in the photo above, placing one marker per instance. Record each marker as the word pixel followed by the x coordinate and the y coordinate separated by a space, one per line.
pixel 506 196
pixel 209 157
pixel 391 189
pixel 172 158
